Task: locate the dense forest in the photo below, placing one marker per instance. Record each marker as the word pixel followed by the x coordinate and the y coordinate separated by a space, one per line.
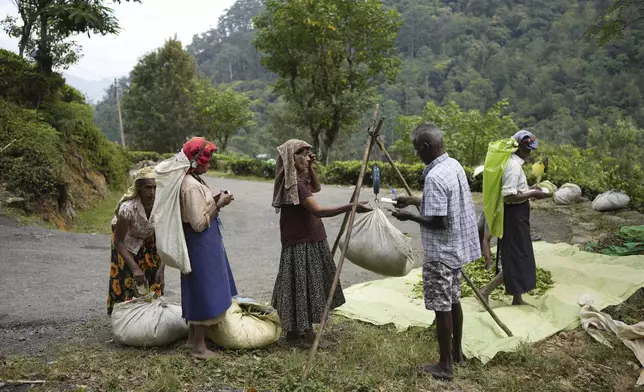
pixel 472 52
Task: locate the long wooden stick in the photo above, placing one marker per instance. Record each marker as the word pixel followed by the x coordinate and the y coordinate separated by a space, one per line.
pixel 347 238
pixel 465 276
pixel 336 243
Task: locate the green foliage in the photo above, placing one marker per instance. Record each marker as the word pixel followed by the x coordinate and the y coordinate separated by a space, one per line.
pixel 31 166
pixel 74 122
pixel 46 25
pixel 251 167
pixel 611 24
pixel 223 113
pixel 20 82
pixel 480 277
pixel 160 104
pixel 470 52
pixel 327 55
pixel 466 133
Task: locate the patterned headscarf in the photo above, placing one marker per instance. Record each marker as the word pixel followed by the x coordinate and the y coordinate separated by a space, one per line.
pixel 285 187
pixel 132 192
pixel 192 147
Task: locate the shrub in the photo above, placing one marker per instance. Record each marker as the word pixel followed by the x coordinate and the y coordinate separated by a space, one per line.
pixel 75 123
pixel 31 165
pixel 138 156
pixel 21 83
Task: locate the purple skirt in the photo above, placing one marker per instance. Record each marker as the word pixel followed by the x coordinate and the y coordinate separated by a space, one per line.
pixel 207 291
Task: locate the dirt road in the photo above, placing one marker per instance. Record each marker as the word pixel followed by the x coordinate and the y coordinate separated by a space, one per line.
pixel 52 281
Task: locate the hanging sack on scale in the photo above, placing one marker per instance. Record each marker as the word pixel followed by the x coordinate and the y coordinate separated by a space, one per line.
pixel 377 245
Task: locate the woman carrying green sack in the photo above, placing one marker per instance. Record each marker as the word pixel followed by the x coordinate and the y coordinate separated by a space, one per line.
pixel 134 260
pixel 515 243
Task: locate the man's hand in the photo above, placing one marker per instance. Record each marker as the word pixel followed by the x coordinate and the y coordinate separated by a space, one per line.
pixel 539 194
pixel 403 201
pixel 402 215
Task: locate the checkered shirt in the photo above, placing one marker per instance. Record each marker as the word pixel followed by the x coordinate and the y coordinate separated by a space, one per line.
pixel 447 194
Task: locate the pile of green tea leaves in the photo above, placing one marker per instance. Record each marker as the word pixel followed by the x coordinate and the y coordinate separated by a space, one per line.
pixel 480 277
pixel 628 240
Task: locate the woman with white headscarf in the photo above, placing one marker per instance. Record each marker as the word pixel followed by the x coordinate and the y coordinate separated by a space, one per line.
pixel 306 266
pixel 134 260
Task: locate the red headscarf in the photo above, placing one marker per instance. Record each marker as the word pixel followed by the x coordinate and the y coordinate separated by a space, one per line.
pixel 192 147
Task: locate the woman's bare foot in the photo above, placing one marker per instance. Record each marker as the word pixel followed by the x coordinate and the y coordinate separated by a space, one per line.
pixel 518 301
pixel 204 353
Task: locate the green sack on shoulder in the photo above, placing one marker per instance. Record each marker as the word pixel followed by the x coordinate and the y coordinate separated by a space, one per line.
pixel 497 158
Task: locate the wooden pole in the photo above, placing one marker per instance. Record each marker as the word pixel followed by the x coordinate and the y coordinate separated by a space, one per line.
pixel 370 129
pixel 465 276
pixel 118 109
pixel 347 237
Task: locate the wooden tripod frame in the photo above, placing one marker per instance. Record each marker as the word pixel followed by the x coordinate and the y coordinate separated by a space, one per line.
pixel 349 218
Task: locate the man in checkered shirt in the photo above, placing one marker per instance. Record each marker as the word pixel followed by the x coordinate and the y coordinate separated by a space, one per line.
pixel 450 239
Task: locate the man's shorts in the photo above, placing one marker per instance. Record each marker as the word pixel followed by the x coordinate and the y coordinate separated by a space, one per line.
pixel 441 286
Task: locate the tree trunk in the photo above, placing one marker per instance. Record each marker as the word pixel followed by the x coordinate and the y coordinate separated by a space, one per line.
pixel 43 57
pixel 325 151
pixel 230 70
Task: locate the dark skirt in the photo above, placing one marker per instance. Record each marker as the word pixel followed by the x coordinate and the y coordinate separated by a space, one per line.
pixel 122 285
pixel 303 284
pixel 207 291
pixel 517 256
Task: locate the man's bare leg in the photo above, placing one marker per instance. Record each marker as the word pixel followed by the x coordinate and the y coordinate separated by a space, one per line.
pixel 443 369
pixel 457 333
pixel 489 288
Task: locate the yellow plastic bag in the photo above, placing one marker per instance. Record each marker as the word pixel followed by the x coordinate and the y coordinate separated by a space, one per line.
pixel 247 326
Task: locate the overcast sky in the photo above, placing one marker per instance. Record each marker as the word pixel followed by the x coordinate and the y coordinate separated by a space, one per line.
pixel 145 26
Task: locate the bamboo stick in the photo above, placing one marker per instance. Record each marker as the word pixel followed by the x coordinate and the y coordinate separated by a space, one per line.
pixel 347 238
pixel 370 129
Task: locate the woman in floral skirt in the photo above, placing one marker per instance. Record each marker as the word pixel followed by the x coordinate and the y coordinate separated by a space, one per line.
pixel 134 260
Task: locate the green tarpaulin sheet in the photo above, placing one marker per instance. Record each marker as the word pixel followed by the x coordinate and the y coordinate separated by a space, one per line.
pixel 608 279
pixel 496 159
pixel 633 237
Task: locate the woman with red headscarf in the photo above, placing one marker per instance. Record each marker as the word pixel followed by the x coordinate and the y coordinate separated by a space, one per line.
pixel 206 292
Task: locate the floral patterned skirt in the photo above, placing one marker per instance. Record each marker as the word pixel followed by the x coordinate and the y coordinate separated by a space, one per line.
pixel 122 285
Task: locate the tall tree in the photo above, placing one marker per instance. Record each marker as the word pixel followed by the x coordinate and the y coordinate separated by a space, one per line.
pixel 611 25
pixel 46 26
pixel 328 55
pixel 223 113
pixel 161 103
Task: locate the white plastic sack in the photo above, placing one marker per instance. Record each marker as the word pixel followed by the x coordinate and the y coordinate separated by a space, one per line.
pixel 378 246
pixel 610 201
pixel 146 322
pixel 166 213
pixel 247 326
pixel 568 194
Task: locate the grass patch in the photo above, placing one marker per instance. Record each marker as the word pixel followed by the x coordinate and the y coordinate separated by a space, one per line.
pixel 364 358
pixel 97 219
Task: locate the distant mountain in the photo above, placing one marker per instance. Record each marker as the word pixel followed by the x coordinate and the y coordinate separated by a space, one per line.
pixel 94 90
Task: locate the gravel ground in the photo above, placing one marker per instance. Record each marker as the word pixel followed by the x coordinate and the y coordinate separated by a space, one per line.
pixel 53 282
